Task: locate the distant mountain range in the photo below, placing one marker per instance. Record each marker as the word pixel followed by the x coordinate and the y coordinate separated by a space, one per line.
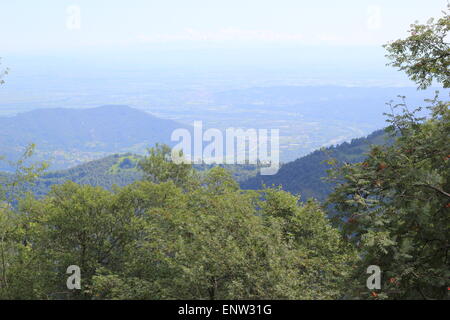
pixel 68 137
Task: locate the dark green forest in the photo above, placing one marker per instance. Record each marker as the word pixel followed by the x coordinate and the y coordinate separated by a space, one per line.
pixel 306 176
pixel 149 228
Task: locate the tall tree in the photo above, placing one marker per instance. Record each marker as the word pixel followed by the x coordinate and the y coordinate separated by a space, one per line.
pixel 395 205
pixel 159 167
pixel 14 248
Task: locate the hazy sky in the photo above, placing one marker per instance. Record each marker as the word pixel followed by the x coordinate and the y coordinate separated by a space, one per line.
pixel 28 26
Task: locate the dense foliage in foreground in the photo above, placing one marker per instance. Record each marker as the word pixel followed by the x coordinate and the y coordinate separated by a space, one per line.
pixel 204 239
pixel 395 205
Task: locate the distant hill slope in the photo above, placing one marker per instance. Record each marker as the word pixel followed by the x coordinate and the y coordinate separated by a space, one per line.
pixel 72 136
pixel 116 169
pixel 304 175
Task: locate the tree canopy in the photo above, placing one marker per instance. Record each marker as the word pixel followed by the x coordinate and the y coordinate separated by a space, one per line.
pixel 425 54
pixel 394 206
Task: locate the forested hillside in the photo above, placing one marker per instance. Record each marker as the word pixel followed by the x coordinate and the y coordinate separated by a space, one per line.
pixel 306 175
pixel 119 170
